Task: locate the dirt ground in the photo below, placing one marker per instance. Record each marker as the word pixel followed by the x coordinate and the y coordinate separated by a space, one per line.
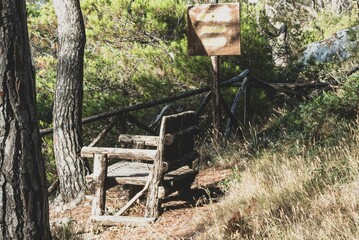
pixel 182 218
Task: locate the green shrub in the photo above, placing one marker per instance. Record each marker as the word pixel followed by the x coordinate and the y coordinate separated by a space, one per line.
pixel 324 118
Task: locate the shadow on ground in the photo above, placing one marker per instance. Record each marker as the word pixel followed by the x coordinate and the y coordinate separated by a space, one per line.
pixel 194 197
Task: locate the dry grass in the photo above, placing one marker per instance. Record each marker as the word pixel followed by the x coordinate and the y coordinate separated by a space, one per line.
pixel 312 194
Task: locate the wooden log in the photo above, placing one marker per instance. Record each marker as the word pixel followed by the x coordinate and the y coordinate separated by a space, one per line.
pixel 229 113
pixel 139 145
pixel 215 100
pixel 202 105
pixel 170 137
pixel 157 121
pixel 246 104
pixel 120 153
pixel 150 141
pixel 99 176
pixel 138 181
pixel 153 202
pixel 116 220
pixel 235 104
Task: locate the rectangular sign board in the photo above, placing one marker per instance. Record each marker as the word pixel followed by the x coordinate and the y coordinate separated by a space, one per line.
pixel 214 29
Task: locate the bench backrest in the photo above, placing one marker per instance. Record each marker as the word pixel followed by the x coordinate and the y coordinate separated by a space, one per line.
pixel 177 139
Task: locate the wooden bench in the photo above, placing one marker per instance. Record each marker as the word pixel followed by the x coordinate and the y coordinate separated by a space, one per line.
pixel 161 164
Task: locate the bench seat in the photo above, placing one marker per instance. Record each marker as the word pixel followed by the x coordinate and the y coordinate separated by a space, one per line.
pixel 136 173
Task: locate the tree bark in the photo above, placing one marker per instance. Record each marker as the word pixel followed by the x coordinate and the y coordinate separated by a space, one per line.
pixel 71 168
pixel 24 212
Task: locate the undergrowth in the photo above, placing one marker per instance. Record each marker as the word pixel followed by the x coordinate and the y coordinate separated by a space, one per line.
pixel 281 195
pixel 304 183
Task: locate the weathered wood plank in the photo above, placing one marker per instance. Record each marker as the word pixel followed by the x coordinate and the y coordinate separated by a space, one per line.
pixel 99 176
pixel 138 174
pixel 153 203
pixel 151 141
pixel 116 220
pixel 133 173
pixel 121 153
pixel 138 181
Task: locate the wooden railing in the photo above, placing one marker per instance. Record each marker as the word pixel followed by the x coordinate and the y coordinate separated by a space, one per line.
pixel 117 114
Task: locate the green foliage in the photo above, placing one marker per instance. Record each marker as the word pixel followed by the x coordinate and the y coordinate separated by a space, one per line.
pixel 136 51
pixel 329 173
pixel 307 21
pixel 328 23
pixel 325 117
pixel 256 53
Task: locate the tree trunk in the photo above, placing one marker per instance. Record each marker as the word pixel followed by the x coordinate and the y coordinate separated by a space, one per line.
pixel 71 168
pixel 24 212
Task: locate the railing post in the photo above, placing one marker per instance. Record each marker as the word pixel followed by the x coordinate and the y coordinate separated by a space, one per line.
pixel 215 95
pixel 99 177
pixel 246 104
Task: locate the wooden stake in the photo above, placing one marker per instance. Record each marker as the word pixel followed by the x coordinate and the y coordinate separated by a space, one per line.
pixel 153 202
pixel 246 105
pixel 216 109
pixel 99 176
pixel 215 96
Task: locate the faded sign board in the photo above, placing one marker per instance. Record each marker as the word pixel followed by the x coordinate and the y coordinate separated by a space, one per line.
pixel 214 29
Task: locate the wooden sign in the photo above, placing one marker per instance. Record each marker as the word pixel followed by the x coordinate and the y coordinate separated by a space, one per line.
pixel 214 29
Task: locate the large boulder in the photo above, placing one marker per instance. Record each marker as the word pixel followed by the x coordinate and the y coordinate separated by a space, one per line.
pixel 339 47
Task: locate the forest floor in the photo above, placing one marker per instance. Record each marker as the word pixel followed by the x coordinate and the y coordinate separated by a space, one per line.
pixel 183 216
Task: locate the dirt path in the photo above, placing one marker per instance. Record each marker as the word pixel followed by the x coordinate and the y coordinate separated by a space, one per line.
pixel 181 219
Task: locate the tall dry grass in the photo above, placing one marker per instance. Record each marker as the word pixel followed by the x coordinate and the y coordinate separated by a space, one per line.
pixel 301 192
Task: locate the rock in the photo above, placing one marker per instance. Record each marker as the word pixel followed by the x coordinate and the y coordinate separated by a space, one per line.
pixel 339 47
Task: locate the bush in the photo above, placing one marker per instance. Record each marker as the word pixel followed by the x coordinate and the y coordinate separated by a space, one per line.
pixel 324 118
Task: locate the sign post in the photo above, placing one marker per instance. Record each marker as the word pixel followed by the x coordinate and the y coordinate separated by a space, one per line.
pixel 213 30
pixel 215 99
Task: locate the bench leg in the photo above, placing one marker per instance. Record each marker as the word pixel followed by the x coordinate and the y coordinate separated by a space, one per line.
pixel 99 175
pixel 153 204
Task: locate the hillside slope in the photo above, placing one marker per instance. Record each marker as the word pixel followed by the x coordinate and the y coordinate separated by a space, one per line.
pixel 304 183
